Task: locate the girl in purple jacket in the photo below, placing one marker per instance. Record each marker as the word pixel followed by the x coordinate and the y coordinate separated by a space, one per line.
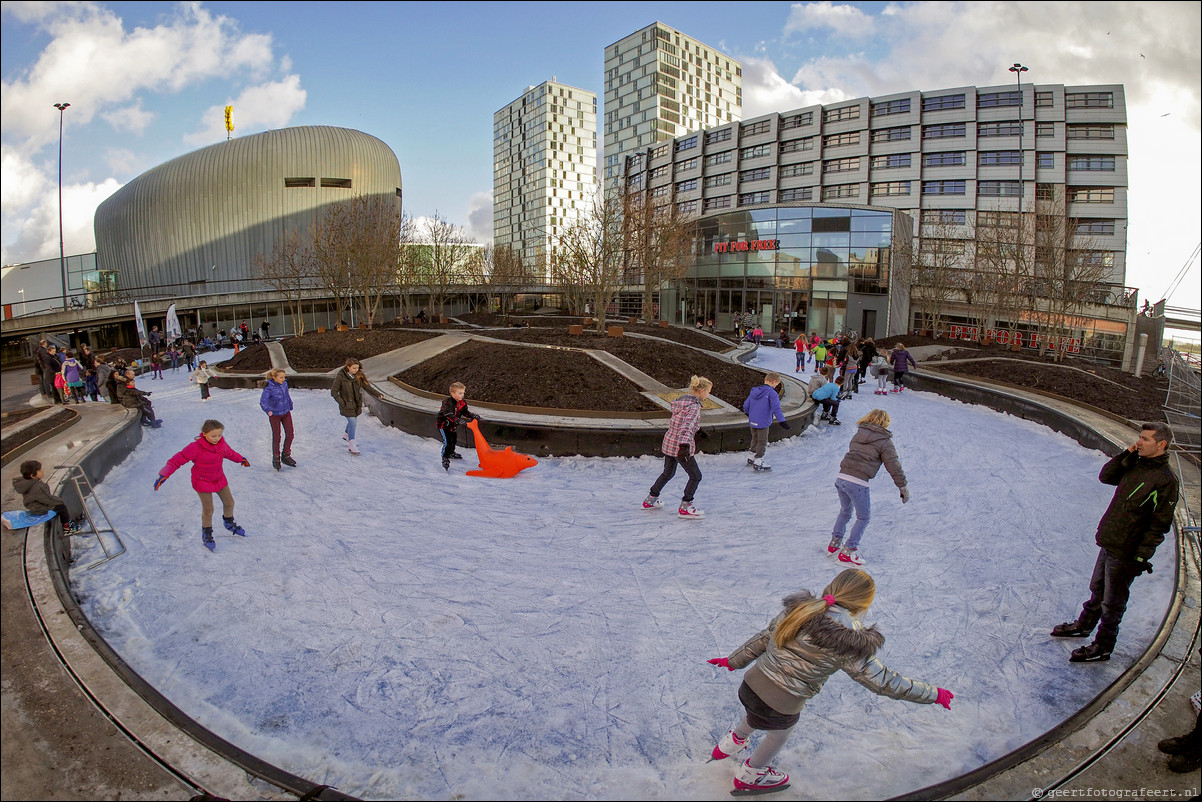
pixel 680 447
pixel 207 454
pixel 277 403
pixel 900 358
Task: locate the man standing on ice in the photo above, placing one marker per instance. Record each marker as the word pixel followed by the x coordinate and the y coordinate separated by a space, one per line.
pixel 1135 523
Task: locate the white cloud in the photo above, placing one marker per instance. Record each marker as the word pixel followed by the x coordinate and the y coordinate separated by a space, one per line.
pixel 36 227
pixel 843 19
pixel 20 181
pixel 133 119
pixel 257 108
pixel 479 217
pixel 122 161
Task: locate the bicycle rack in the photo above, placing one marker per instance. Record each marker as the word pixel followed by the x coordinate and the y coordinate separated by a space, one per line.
pixel 76 475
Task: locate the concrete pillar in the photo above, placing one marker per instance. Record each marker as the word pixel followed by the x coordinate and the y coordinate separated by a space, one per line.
pixel 1139 357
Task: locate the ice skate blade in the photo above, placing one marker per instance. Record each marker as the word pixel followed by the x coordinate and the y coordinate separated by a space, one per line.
pixel 758 791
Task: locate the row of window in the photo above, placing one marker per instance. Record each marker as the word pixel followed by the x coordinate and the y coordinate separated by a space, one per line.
pixel 999 219
pixel 334 183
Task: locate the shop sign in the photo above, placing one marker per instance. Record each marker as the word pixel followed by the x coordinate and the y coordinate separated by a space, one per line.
pixel 1007 337
pixel 747 245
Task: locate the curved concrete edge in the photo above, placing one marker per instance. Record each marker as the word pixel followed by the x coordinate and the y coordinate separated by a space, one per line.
pixel 192 753
pixel 537 433
pixel 29 445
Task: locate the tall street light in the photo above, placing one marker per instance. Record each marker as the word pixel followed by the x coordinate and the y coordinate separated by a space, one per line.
pixel 62 256
pixel 1018 71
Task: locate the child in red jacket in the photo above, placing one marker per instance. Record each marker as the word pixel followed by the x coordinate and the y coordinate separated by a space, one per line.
pixel 207 454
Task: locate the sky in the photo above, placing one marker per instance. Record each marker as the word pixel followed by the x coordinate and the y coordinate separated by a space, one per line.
pixel 401 632
pixel 149 81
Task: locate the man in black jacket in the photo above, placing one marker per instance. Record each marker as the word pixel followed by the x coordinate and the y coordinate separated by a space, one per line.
pixel 1135 523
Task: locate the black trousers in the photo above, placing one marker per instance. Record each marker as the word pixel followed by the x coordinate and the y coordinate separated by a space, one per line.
pixel 1109 590
pixel 450 438
pixel 686 460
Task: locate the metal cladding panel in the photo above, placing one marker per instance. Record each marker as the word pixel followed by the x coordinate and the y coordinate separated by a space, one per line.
pixel 205 216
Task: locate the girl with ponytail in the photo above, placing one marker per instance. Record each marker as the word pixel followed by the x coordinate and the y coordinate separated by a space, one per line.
pixel 811 639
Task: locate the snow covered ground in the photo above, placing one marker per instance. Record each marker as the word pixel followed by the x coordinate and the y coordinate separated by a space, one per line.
pixel 398 632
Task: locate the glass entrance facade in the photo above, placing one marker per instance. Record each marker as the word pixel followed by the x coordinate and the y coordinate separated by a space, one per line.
pixel 820 269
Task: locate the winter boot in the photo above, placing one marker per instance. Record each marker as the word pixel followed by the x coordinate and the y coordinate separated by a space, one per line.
pixel 446 464
pixel 824 416
pixel 1093 653
pixel 652 503
pixel 232 525
pixel 206 537
pixel 275 462
pixel 850 555
pixel 351 447
pixel 751 460
pixel 287 459
pixel 835 544
pixel 1072 629
pixel 730 744
pixel 748 778
pixel 687 510
pixel 1186 762
pixel 1176 746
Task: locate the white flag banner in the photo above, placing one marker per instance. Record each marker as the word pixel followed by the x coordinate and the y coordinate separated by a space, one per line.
pixel 174 332
pixel 141 326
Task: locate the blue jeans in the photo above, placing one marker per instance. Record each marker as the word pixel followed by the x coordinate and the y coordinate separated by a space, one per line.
pixel 350 427
pixel 851 495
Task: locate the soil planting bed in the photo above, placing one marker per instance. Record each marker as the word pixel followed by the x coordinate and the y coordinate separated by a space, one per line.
pixel 535 377
pixel 252 359
pixel 13 418
pixel 18 439
pixel 328 350
pixel 541 322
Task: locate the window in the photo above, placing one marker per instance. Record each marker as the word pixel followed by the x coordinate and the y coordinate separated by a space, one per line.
pixel 891 107
pixel 890 161
pixel 1091 194
pixel 336 183
pixel 718 158
pixel 686 186
pixel 943 102
pixel 841 140
pixel 1095 227
pixel 943 188
pixel 897 134
pixel 845 113
pixel 755 152
pixel 660 171
pixel 662 192
pixel 797 120
pixel 994 219
pixel 955 217
pixel 1103 164
pixel 1045 192
pixel 998 189
pixel 841 191
pixel 718 136
pixel 300 182
pixel 685 144
pixel 799 194
pixel 841 165
pixel 753 198
pixel 719 180
pixel 989 100
pixel 1089 100
pixel 1090 131
pixel 691 164
pixel 1045 130
pixel 659 152
pixel 794 145
pixel 762 127
pixel 891 188
pixel 793 170
pixel 688 207
pixel 1045 160
pixel 946 158
pixel 945 131
pixel 717 203
pixel 758 174
pixel 1011 128
pixel 989 158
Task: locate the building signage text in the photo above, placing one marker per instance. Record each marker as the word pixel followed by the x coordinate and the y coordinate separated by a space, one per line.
pixel 747 245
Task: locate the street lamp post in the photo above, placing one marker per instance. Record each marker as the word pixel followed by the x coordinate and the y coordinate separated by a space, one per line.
pixel 62 255
pixel 1018 71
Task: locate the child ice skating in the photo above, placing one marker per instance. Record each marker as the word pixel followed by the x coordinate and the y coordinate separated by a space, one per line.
pixel 871 446
pixel 880 371
pixel 454 409
pixel 827 396
pixel 790 661
pixel 680 447
pixel 201 376
pixel 346 391
pixel 276 401
pixel 762 407
pixel 207 454
pixel 900 358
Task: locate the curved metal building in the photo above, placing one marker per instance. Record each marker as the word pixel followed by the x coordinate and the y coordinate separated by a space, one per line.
pixel 198 221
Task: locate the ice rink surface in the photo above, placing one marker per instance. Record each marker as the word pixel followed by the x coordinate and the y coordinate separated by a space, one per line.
pixel 396 631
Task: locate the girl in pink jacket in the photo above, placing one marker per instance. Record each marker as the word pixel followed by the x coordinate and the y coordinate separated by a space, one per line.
pixel 207 454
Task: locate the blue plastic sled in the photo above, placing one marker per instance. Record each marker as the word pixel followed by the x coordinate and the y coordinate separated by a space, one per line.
pixel 22 519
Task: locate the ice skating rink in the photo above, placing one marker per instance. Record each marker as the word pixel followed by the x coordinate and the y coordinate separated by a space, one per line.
pixel 398 632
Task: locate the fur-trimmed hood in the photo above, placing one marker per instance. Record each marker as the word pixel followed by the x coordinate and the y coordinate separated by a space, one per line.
pixel 837 631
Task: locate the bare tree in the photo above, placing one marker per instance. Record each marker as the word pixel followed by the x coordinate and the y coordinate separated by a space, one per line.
pixel 590 255
pixel 358 247
pixel 1068 268
pixel 937 258
pixel 290 270
pixel 448 257
pixel 657 243
pixel 508 274
pixel 328 236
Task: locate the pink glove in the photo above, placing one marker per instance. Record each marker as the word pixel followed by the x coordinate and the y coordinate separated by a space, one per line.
pixel 720 661
pixel 945 698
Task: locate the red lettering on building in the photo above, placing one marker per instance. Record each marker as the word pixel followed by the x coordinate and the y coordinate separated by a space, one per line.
pixel 747 245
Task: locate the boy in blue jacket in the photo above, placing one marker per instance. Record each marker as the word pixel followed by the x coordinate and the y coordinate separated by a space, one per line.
pixel 828 397
pixel 762 407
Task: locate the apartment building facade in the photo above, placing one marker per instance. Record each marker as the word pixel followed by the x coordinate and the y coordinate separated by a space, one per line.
pixel 544 169
pixel 660 84
pixel 950 158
